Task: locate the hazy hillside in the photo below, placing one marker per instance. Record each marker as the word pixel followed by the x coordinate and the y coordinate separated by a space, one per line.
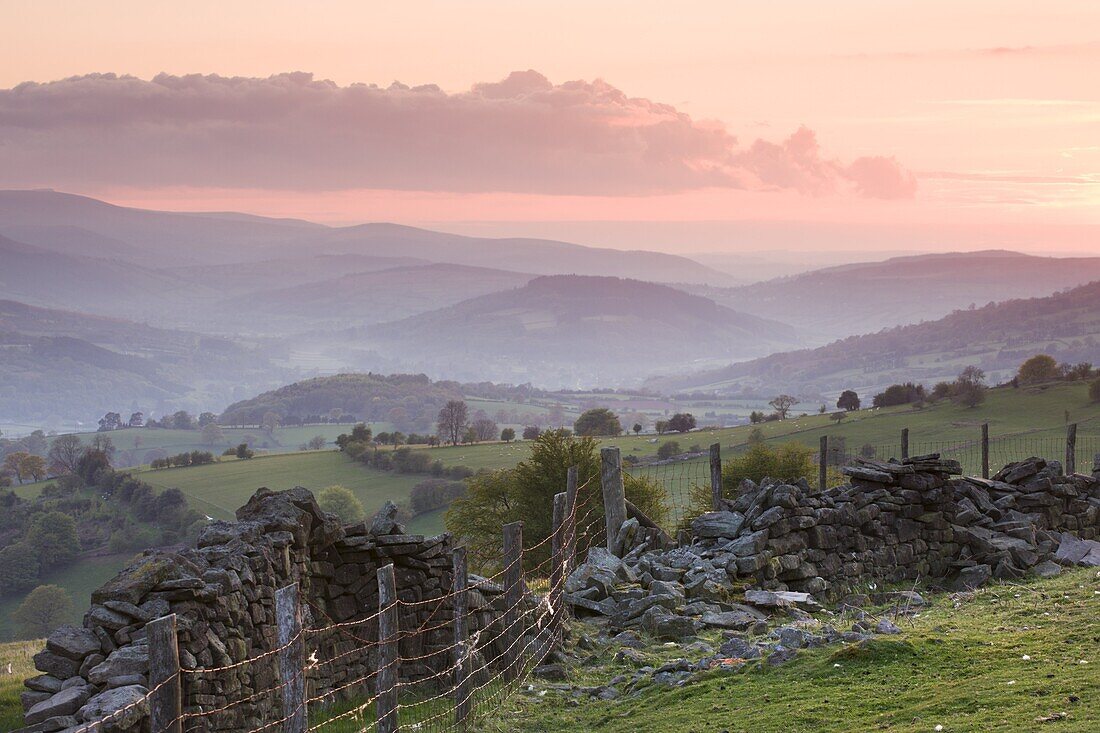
pixel 996 337
pixel 376 296
pixel 861 298
pixel 565 330
pixel 369 397
pixel 61 364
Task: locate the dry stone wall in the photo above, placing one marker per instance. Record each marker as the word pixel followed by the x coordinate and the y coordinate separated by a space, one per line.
pixel 223 594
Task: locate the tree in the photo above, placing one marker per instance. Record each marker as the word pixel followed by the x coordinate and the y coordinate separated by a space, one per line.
pixel 783 404
pixel 837 416
pixel 110 421
pixel 848 400
pixel 18 568
pixel 756 436
pixel 33 466
pixel 668 449
pixel 361 433
pixel 43 610
pixel 1082 370
pixel 637 428
pixel 756 417
pixel 899 394
pixel 103 444
pixel 452 419
pixel 212 434
pixel 243 451
pixel 207 418
pixel 1039 368
pixel 484 429
pixel 969 390
pixel 137 420
pixel 530 432
pixel 270 421
pixel 13 463
pixel 341 502
pixel 599 421
pixel 823 409
pixel 90 464
pixel 681 422
pixel 526 493
pixel 317 442
pixel 54 539
pixel 508 435
pixel 661 426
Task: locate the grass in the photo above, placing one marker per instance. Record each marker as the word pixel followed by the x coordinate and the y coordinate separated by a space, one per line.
pixel 17 655
pixel 960 665
pixel 79 579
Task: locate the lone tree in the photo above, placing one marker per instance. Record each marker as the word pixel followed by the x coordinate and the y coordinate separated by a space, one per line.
pixel 212 434
pixel 1039 368
pixel 848 401
pixel 508 435
pixel 598 421
pixel 681 422
pixel 783 404
pixel 452 421
pixel 637 428
pixel 43 610
pixel 969 389
pixel 64 453
pixel 661 426
pixel 484 429
pixel 340 501
pixel 530 432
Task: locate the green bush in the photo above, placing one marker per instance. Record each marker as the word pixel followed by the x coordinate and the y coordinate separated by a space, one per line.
pixel 668 449
pixel 341 502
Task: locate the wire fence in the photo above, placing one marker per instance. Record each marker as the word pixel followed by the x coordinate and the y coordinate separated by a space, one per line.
pixel 686 480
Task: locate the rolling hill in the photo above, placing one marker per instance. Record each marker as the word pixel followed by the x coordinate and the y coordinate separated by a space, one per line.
pixel 376 296
pixel 78 366
pixel 997 337
pixel 567 330
pixel 857 298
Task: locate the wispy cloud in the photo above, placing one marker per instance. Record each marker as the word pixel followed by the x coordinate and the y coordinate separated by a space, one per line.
pixel 292 131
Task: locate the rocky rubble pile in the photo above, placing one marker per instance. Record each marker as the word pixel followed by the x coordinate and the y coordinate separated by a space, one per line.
pixel 895 521
pixel 223 594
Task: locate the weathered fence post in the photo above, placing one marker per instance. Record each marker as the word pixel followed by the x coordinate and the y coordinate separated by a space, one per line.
pixel 513 596
pixel 166 700
pixel 386 704
pixel 292 658
pixel 985 450
pixel 823 462
pixel 462 652
pixel 1071 448
pixel 716 476
pixel 614 496
pixel 557 562
pixel 904 443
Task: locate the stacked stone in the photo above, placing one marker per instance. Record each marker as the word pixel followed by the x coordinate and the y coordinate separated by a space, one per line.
pixel 896 520
pixel 223 595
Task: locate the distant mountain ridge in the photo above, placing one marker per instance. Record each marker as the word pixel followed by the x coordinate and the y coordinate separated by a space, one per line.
pixel 584 329
pixel 838 301
pixel 996 337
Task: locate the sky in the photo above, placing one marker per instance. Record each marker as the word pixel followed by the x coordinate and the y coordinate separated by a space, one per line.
pixel 688 126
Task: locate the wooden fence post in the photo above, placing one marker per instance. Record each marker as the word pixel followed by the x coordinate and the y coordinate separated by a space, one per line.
pixel 904 443
pixel 462 653
pixel 292 658
pixel 386 704
pixel 985 450
pixel 823 462
pixel 716 477
pixel 557 562
pixel 513 596
pixel 614 496
pixel 1071 448
pixel 166 700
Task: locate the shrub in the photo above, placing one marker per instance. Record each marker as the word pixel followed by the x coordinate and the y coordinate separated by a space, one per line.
pixel 43 610
pixel 341 502
pixel 434 494
pixel 668 449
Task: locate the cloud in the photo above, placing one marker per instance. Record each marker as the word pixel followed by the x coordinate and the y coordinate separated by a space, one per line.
pixel 522 134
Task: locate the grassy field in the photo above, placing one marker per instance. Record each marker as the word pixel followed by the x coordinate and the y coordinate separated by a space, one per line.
pixel 80 579
pixel 18 656
pixel 1000 659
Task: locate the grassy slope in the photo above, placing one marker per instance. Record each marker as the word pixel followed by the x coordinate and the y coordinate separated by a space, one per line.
pixel 18 655
pixel 960 665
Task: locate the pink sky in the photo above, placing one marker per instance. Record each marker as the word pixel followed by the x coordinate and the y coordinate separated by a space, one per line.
pixel 976 123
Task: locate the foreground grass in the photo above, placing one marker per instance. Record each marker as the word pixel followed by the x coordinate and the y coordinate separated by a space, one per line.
pixel 17 655
pixel 997 660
